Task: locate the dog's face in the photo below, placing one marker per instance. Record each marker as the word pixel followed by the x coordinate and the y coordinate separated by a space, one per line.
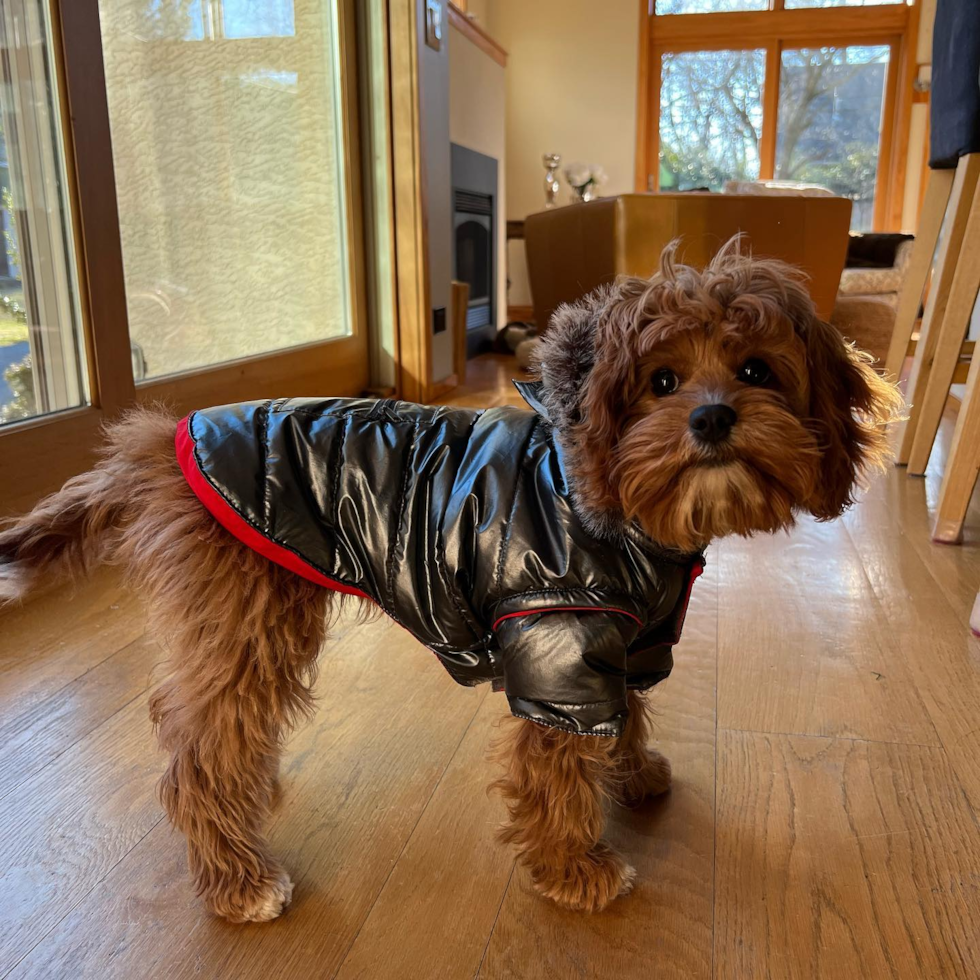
pixel 714 402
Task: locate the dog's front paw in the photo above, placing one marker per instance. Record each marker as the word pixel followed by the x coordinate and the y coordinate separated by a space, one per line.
pixel 650 778
pixel 260 903
pixel 587 883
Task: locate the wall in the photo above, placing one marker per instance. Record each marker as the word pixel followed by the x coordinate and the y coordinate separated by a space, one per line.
pixel 571 89
pixel 476 121
pixel 434 111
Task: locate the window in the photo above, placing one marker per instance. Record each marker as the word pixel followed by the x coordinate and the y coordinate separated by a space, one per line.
pixel 708 6
pixel 229 166
pixel 710 118
pixel 799 4
pixel 41 364
pixel 830 102
pixel 812 100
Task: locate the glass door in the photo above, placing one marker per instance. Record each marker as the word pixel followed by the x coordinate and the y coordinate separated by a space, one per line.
pixel 231 139
pixel 42 366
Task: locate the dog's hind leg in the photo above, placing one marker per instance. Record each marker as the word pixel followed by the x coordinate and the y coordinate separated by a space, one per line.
pixel 555 786
pixel 244 635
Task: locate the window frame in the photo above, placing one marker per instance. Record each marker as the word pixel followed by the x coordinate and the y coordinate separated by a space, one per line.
pixel 776 29
pixel 39 453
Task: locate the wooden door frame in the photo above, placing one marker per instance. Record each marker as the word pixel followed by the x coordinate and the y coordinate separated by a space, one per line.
pixel 409 194
pixel 38 454
pixel 895 25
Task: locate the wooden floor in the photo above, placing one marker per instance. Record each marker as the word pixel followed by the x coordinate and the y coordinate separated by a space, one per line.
pixel 823 719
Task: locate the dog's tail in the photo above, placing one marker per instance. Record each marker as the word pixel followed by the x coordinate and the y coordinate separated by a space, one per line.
pixel 81 525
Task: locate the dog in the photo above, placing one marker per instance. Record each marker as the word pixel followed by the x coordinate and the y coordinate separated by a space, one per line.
pixel 551 552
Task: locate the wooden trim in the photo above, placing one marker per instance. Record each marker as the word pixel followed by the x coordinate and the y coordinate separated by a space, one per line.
pixel 752 28
pixel 40 454
pixel 412 270
pixel 770 110
pixel 472 31
pixel 886 141
pixel 902 120
pixel 525 314
pixel 88 148
pixel 337 365
pixel 641 172
pixel 442 388
pixel 653 130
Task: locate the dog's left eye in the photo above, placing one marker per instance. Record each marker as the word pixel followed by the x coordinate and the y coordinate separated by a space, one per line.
pixel 755 372
pixel 664 382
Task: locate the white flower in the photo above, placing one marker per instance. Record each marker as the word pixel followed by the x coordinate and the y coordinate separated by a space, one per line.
pixel 580 175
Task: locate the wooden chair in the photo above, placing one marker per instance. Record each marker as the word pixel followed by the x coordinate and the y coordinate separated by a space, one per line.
pixel 962 464
pixel 943 326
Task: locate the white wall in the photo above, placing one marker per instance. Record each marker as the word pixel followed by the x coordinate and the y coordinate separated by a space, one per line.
pixel 476 121
pixel 571 89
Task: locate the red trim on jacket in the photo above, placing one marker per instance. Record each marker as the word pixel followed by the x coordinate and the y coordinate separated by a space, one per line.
pixel 236 525
pixel 696 569
pixel 551 609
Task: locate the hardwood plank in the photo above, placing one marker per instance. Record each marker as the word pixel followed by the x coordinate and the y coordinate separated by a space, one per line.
pixel 57 637
pixel 36 737
pixel 798 651
pixel 663 929
pixel 355 785
pixel 63 830
pixel 436 910
pixel 842 859
pixel 927 629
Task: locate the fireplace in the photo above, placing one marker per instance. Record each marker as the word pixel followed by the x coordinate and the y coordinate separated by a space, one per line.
pixel 474 180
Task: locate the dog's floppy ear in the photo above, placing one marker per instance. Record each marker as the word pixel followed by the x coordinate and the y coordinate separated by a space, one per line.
pixel 565 357
pixel 850 407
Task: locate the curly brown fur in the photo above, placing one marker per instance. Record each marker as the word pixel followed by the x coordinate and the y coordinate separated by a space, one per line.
pixel 802 442
pixel 244 634
pixel 555 786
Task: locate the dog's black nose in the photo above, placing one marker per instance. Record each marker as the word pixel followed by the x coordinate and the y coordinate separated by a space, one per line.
pixel 712 423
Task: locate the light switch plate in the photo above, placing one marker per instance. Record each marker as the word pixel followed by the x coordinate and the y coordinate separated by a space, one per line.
pixel 433 24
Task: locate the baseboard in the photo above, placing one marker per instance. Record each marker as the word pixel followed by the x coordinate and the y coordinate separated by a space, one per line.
pixel 441 388
pixel 523 314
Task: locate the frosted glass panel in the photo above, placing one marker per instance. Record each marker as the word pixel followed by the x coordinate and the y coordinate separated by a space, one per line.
pixel 226 132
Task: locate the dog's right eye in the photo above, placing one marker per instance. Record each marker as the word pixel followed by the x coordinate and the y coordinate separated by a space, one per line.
pixel 664 382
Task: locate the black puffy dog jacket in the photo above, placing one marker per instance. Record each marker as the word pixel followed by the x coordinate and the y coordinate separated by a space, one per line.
pixel 460 525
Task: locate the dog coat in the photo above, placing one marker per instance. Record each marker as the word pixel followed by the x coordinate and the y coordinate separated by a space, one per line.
pixel 460 526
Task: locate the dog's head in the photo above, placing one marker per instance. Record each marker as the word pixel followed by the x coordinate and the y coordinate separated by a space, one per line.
pixel 704 403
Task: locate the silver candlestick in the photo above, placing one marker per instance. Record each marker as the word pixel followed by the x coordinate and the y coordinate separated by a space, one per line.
pixel 551 187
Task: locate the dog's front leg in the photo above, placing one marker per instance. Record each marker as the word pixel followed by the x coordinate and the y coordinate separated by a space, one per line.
pixel 555 786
